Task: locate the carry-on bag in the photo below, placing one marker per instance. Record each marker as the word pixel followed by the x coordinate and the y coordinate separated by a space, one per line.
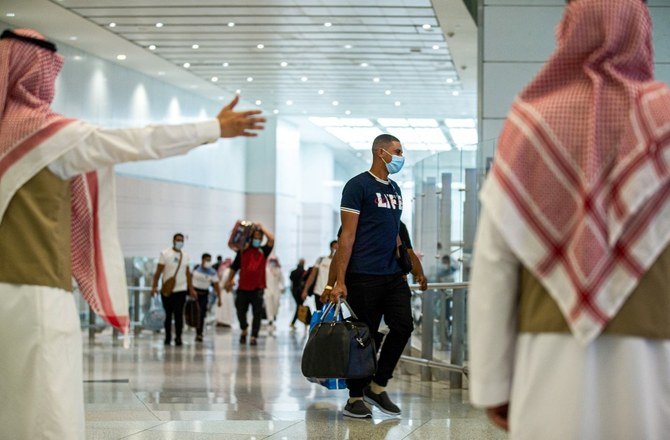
pixel 339 349
pixel 240 235
pixel 154 318
pixel 331 384
pixel 304 314
pixel 192 312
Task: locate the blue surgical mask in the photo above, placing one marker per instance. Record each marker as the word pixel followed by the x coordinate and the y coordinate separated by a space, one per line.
pixel 256 242
pixel 396 163
pixel 178 245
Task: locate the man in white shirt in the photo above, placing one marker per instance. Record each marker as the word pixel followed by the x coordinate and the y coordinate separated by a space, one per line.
pixel 204 275
pixel 173 263
pixel 58 222
pixel 319 276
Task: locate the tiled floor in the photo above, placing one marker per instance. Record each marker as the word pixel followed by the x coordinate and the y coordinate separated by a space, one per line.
pixel 221 390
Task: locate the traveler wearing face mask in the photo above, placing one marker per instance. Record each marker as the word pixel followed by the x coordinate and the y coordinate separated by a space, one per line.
pixel 173 263
pixel 251 262
pixel 204 275
pixel 368 274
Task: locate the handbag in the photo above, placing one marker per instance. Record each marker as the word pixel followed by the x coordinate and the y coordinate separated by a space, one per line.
pixel 154 318
pixel 192 312
pixel 339 349
pixel 402 256
pixel 330 384
pixel 168 285
pixel 304 314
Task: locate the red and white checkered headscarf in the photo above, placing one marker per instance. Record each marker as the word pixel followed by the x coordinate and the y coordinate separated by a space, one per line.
pixel 581 181
pixel 27 84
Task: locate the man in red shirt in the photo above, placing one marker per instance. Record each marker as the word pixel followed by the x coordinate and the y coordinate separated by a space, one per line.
pixel 250 262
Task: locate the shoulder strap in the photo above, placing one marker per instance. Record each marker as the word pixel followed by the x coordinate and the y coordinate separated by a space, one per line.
pixel 181 254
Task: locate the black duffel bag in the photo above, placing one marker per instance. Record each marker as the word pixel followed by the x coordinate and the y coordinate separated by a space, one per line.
pixel 339 348
pixel 192 312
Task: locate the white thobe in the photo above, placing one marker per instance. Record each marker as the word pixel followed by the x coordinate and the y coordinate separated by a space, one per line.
pixel 272 295
pixel 40 344
pixel 616 387
pixel 225 313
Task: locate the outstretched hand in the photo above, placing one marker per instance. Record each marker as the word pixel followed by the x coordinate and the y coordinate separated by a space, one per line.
pixel 235 124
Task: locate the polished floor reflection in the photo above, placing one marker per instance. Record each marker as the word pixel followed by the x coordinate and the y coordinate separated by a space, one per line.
pixel 221 390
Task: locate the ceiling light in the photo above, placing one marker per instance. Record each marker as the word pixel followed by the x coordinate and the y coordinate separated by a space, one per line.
pixel 328 24
pixel 426 26
pixel 231 24
pixel 397 103
pixel 348 112
pixel 112 24
pixel 375 80
pixel 289 102
pixel 77 57
pixel 159 25
pixel 321 92
pixel 387 92
pixel 348 46
pixel 455 93
pixel 196 46
pixel 225 64
pixel 215 79
pixel 336 103
pixel 152 47
pixel 221 98
pixel 450 80
pixel 121 57
pixel 259 102
pixel 283 64
pixel 364 64
pixel 186 65
pixel 249 79
pixel 303 78
pixel 73 38
pixel 161 73
pixel 436 47
pixel 260 46
pixel 10 14
pixel 275 111
pixel 238 91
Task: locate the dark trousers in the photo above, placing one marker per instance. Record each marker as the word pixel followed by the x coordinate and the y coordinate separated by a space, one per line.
pixel 371 297
pixel 203 299
pixel 174 305
pixel 242 301
pixel 298 300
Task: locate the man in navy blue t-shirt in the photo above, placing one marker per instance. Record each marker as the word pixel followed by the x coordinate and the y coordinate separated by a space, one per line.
pixel 368 274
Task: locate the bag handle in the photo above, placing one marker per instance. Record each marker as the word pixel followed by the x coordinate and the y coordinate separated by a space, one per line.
pixel 339 306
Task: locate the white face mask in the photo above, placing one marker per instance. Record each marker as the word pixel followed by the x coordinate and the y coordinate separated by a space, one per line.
pixel 207 264
pixel 178 245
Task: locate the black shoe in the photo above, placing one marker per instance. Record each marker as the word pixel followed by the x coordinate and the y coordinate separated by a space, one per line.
pixel 167 341
pixel 253 341
pixel 178 342
pixel 357 409
pixel 381 401
pixel 243 338
pixel 198 338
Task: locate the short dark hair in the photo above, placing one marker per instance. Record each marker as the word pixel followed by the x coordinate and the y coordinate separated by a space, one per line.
pixel 383 140
pixel 333 242
pixel 219 258
pixel 178 234
pixel 206 255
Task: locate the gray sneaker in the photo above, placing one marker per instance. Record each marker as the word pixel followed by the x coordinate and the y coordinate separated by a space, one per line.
pixel 358 410
pixel 381 401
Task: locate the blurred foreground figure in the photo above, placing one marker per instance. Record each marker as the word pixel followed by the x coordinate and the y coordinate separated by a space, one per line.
pixel 58 221
pixel 570 298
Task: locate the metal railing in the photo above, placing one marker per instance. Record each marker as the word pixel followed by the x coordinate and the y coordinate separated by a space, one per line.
pixel 449 301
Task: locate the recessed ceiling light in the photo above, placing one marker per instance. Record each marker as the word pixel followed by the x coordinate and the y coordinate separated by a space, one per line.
pixel 364 64
pixel 215 79
pixel 283 64
pixel 348 112
pixel 112 24
pixel 303 78
pixel 121 57
pixel 450 80
pixel 231 24
pixel 321 92
pixel 152 47
pixel 159 25
pixel 260 46
pixel 259 102
pixel 161 73
pixel 275 111
pixel 426 26
pixel 238 91
pixel 289 102
pixel 375 79
pixel 387 92
pixel 225 64
pixel 10 14
pixel 397 103
pixel 76 57
pixel 221 98
pixel 196 46
pixel 186 65
pixel 328 24
pixel 249 79
pixel 336 103
pixel 348 46
pixel 455 93
pixel 73 38
pixel 436 47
